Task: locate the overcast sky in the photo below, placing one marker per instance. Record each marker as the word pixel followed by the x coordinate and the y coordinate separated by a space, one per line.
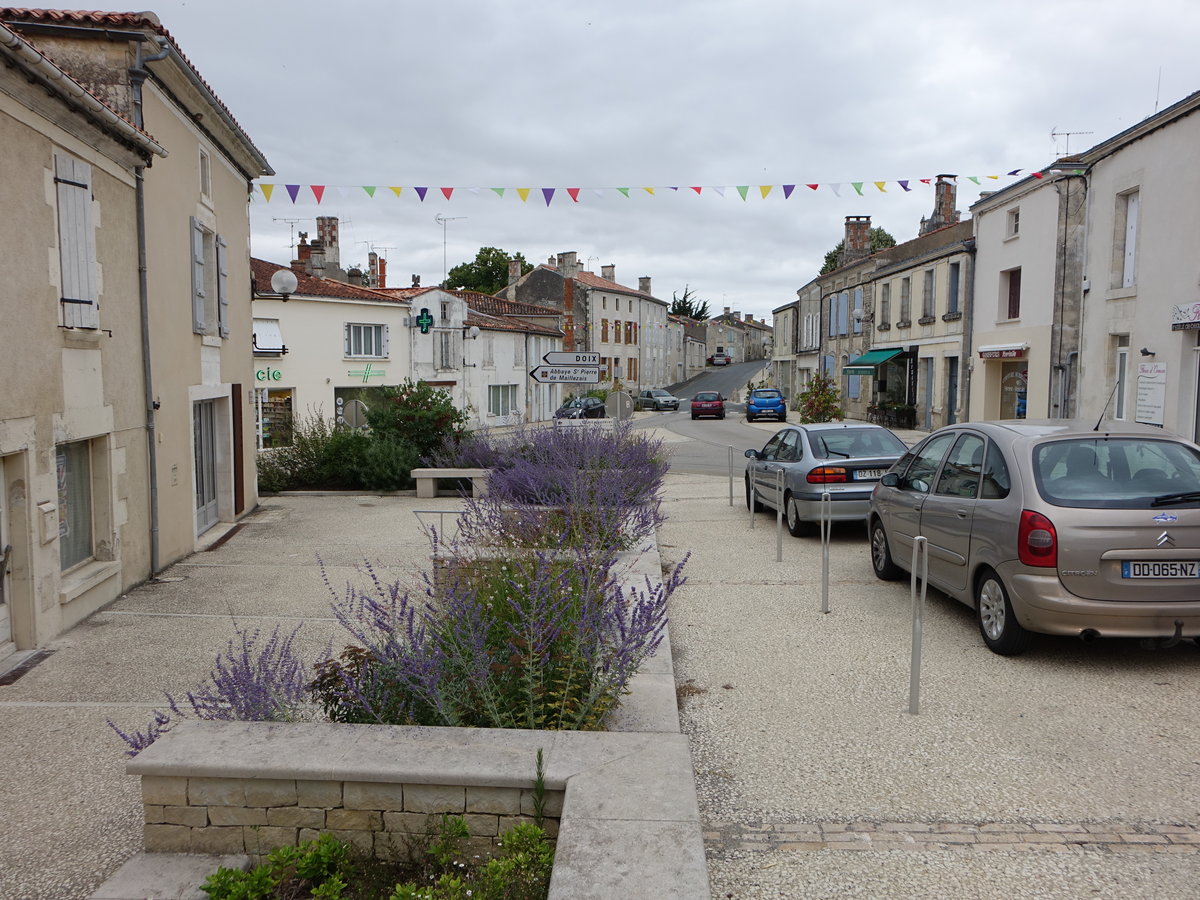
pixel 601 95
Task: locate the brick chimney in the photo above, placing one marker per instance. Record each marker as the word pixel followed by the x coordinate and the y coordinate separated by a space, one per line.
pixel 857 243
pixel 514 271
pixel 644 284
pixel 609 273
pixel 944 197
pixel 327 234
pixel 382 273
pixel 373 269
pixel 416 281
pixel 568 264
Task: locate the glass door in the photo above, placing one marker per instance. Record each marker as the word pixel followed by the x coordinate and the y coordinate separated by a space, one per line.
pixel 204 419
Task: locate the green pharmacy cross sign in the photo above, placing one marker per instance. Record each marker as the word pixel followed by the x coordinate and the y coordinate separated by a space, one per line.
pixel 424 320
pixel 366 373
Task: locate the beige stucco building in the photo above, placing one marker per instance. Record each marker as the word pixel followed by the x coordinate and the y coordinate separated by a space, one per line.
pixel 130 450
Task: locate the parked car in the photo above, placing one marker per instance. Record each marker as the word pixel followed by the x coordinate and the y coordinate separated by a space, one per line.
pixel 708 403
pixel 766 403
pixel 582 408
pixel 1059 527
pixel 657 400
pixel 719 359
pixel 844 459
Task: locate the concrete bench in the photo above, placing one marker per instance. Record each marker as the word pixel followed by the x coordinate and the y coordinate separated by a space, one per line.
pixel 427 480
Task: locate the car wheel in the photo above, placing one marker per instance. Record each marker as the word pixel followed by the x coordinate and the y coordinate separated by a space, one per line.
pixel 757 504
pixel 796 526
pixel 694 417
pixel 721 416
pixel 881 554
pixel 997 623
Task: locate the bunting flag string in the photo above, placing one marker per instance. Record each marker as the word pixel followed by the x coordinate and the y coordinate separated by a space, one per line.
pixel 267 190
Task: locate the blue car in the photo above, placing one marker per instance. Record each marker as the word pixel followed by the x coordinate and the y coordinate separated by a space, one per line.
pixel 766 403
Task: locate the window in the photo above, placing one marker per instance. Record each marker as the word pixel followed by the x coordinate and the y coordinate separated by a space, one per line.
pixel 366 341
pixel 844 312
pixel 630 333
pixel 604 302
pixel 885 304
pixel 960 474
pixel 489 351
pixel 858 312
pixel 210 293
pixel 925 463
pixel 1012 225
pixel 1125 245
pixel 928 305
pixel 74 471
pixel 617 331
pixel 445 311
pixel 502 399
pixel 445 351
pixel 205 174
pixel 267 338
pixel 1010 287
pixel 833 308
pixel 351 405
pixel 275 410
pixel 1121 365
pixel 952 296
pixel 905 302
pixel 76 243
pixel 604 330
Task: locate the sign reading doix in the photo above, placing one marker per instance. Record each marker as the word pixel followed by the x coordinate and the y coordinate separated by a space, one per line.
pixel 571 358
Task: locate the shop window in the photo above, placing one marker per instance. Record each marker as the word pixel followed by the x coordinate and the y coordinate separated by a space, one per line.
pixel 274 411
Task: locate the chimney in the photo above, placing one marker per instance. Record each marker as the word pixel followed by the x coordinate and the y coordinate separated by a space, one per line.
pixel 857 243
pixel 416 281
pixel 608 273
pixel 568 264
pixel 514 271
pixel 303 251
pixel 944 197
pixel 550 262
pixel 749 317
pixel 727 310
pixel 316 259
pixel 644 284
pixel 382 273
pixel 327 234
pixel 373 269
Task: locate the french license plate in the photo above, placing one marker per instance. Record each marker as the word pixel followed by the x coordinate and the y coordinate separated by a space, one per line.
pixel 1164 569
pixel 868 474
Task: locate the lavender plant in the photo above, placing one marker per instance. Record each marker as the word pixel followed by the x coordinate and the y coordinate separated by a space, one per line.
pixel 252 680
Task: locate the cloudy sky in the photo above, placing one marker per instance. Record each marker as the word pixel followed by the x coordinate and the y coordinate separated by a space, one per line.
pixel 711 93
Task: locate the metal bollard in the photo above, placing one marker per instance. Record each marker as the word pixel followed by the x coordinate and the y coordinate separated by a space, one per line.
pixel 779 516
pixel 752 502
pixel 826 530
pixel 920 563
pixel 731 476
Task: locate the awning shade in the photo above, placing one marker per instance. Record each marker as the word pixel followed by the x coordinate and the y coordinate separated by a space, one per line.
pixel 866 364
pixel 268 338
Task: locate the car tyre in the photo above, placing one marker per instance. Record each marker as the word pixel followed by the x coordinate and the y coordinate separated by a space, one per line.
pixel 797 527
pixel 881 554
pixel 998 623
pixel 721 416
pixel 694 417
pixel 754 505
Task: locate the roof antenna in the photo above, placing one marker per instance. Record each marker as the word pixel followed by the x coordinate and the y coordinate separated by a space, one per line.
pixel 1110 398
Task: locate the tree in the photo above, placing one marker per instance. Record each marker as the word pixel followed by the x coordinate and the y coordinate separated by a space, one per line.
pixel 879 240
pixel 487 274
pixel 688 305
pixel 820 400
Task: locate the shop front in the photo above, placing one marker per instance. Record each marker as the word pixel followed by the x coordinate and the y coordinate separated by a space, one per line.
pixel 1007 380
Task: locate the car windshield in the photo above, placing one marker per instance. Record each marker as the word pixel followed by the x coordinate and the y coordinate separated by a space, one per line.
pixel 855 443
pixel 573 403
pixel 659 394
pixel 707 396
pixel 1117 473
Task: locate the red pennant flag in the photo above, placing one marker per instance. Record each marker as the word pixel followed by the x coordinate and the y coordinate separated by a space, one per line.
pixel 1037 174
pixel 926 181
pixel 813 186
pixel 318 191
pixel 446 192
pixel 573 193
pixel 697 189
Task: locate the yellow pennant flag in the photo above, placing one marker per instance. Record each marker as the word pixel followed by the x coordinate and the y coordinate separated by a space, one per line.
pixel 523 193
pixel 765 189
pixel 266 191
pixel 649 191
pixel 880 185
pixel 396 190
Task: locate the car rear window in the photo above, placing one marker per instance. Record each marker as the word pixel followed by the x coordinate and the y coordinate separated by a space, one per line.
pixel 706 396
pixel 1117 473
pixel 855 443
pixel 766 395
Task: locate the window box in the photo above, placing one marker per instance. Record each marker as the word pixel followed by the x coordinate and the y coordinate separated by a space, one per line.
pixel 884 326
pixel 926 320
pixel 951 316
pixel 904 324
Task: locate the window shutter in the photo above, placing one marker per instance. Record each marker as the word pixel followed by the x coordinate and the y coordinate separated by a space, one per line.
pixel 198 324
pixel 346 337
pixel 222 286
pixel 383 351
pixel 1129 264
pixel 76 242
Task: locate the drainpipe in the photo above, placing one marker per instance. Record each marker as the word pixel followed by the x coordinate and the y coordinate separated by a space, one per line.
pixel 137 76
pixel 967 366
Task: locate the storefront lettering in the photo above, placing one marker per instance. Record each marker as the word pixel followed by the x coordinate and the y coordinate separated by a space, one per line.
pixel 268 375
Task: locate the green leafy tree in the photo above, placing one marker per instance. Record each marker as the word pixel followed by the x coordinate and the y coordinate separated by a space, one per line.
pixel 416 414
pixel 879 240
pixel 488 273
pixel 820 400
pixel 688 305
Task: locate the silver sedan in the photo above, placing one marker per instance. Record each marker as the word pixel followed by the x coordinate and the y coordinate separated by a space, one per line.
pixel 801 462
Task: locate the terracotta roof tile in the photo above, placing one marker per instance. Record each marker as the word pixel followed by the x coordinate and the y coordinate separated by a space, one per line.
pixel 310 286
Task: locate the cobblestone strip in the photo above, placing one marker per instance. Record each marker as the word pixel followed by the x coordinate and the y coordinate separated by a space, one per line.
pixel 1053 837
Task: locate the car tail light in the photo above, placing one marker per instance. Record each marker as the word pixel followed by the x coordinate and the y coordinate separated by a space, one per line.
pixel 827 475
pixel 1037 541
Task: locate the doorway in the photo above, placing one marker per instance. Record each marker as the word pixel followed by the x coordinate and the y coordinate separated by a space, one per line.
pixel 927 377
pixel 6 641
pixel 951 390
pixel 204 434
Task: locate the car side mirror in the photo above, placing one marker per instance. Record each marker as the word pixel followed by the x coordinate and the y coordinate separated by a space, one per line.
pixel 890 479
pixel 751 454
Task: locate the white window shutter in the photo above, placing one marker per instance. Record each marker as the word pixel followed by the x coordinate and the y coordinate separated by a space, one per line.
pixel 1129 264
pixel 199 326
pixel 222 286
pixel 346 337
pixel 384 349
pixel 76 242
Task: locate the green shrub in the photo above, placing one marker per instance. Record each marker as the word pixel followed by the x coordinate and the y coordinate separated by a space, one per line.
pixel 820 400
pixel 417 414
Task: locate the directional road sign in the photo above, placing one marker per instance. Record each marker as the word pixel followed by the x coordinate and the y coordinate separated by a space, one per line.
pixel 571 358
pixel 566 374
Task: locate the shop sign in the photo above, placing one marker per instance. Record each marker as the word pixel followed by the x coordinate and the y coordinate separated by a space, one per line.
pixel 268 374
pixel 1151 393
pixel 1006 353
pixel 1186 317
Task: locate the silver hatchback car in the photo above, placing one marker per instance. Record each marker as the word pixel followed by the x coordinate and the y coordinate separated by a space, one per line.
pixel 844 459
pixel 1059 527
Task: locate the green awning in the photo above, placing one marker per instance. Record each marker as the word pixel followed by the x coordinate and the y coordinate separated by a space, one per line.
pixel 867 363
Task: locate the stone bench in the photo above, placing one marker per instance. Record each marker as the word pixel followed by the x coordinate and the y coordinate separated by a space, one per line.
pixel 427 480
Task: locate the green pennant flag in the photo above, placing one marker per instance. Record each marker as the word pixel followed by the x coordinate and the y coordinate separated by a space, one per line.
pixel 624 191
pixel 499 191
pixel 974 179
pixel 370 189
pixel 857 185
pixel 742 189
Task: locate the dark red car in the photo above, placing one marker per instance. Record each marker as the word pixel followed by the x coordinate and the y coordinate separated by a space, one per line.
pixel 708 403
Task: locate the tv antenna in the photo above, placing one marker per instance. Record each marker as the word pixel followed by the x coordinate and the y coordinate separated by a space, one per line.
pixel 1055 134
pixel 291 230
pixel 442 220
pixel 588 267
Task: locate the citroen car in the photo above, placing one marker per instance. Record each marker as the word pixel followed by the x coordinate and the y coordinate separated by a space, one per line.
pixel 801 463
pixel 657 400
pixel 1056 527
